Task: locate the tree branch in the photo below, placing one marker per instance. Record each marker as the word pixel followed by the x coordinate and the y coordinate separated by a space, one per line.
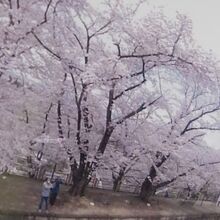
pixel 46 117
pixel 10 4
pixel 100 29
pixel 186 129
pixel 170 56
pixel 18 4
pixel 52 52
pixel 110 106
pixel 142 107
pixel 45 13
pixel 134 86
pixel 177 40
pixel 165 183
pixel 203 128
pixel 45 47
pixel 129 88
pixel 26 115
pixel 79 42
pixel 74 87
pixel 59 120
pixel 118 48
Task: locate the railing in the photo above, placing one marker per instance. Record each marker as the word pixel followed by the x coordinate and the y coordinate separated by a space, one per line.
pixel 106 183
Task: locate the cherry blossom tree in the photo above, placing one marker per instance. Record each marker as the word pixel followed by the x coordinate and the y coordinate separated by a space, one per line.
pixel 89 73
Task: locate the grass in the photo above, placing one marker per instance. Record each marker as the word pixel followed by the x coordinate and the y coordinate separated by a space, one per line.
pixel 18 193
pixel 21 194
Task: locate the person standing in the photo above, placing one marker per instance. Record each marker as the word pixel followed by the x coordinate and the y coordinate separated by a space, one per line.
pixel 54 191
pixel 45 195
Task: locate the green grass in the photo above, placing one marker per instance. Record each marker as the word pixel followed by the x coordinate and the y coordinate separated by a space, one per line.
pixel 19 193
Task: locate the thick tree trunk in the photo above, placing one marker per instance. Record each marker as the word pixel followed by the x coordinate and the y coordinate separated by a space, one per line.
pixel 147 188
pixel 81 172
pixel 79 187
pixel 117 185
pixel 81 177
pixel 117 180
pixel 105 139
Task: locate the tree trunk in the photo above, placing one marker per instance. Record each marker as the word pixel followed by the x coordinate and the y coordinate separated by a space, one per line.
pixel 105 139
pixel 80 176
pixel 81 172
pixel 54 170
pixel 117 181
pixel 117 185
pixel 79 187
pixel 147 188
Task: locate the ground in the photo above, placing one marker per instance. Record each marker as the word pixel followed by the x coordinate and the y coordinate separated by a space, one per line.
pixel 21 194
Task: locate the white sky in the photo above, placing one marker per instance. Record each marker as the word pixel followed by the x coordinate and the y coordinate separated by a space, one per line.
pixel 205 15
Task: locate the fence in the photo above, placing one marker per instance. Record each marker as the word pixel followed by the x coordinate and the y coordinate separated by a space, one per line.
pixel 41 172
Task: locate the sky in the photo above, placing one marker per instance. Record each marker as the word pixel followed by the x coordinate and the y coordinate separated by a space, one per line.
pixel 205 15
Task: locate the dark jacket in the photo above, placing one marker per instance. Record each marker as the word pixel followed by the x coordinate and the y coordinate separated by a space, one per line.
pixel 56 187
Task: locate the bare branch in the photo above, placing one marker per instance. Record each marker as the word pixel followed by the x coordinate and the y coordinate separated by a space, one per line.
pixel 191 140
pixel 97 32
pixel 87 40
pixel 79 42
pixel 177 40
pixel 45 13
pixel 71 66
pixel 142 72
pixel 136 85
pixel 118 48
pixel 119 77
pixel 165 183
pixel 143 55
pixel 39 24
pixel 84 24
pixel 45 47
pixel 211 163
pixel 187 127
pixel 170 57
pixel 129 88
pixel 142 107
pixel 203 128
